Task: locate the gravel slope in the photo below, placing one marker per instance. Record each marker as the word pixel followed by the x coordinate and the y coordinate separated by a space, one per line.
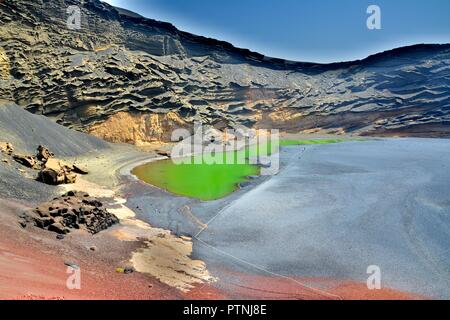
pixel 26 131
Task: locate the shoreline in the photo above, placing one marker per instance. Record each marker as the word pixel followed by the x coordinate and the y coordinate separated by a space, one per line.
pixel 221 290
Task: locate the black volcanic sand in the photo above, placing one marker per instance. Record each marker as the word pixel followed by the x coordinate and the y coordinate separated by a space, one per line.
pixel 332 211
pixel 27 131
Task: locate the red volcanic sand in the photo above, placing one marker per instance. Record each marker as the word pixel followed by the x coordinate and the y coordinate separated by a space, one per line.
pixel 245 286
pixel 32 266
pixel 29 274
pixel 30 271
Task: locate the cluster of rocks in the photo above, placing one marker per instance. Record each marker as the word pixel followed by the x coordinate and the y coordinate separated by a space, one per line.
pixel 52 171
pixel 56 172
pixel 73 210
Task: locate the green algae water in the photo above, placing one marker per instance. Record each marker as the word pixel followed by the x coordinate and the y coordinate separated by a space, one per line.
pixel 199 178
pixel 201 181
pixel 205 181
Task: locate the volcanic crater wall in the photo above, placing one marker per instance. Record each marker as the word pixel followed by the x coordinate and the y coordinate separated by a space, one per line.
pixel 130 79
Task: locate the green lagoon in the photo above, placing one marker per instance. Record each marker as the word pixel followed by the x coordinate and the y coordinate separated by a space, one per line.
pixel 205 181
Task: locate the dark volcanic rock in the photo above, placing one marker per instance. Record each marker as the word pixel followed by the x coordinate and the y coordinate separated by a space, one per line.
pixel 127 78
pixel 53 177
pixel 245 184
pixel 27 161
pixel 74 210
pixel 79 169
pixel 55 172
pixel 43 153
pixel 55 227
pixel 163 153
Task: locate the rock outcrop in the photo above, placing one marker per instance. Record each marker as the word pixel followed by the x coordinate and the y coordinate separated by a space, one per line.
pixel 55 171
pixel 4 65
pixel 139 129
pixel 26 160
pixel 52 171
pixel 6 148
pixel 79 169
pixel 43 153
pixel 74 210
pixel 121 76
pixel 163 153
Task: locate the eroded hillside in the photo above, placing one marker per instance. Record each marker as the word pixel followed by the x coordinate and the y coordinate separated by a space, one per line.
pixel 130 79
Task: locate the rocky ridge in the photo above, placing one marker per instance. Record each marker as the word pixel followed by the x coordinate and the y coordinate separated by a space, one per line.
pixel 126 78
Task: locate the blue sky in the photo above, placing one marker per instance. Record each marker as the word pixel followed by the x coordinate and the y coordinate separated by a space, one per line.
pixel 304 30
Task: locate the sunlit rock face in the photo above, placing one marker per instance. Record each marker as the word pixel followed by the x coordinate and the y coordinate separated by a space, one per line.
pixel 120 62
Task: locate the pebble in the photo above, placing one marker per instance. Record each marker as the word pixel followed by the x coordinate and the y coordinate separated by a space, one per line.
pixel 71 264
pixel 128 270
pixel 243 185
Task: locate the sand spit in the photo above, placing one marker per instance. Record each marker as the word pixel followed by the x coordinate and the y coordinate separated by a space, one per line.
pixel 162 254
pixel 167 258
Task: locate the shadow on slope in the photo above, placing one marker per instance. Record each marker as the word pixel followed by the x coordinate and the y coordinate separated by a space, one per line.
pixel 26 131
